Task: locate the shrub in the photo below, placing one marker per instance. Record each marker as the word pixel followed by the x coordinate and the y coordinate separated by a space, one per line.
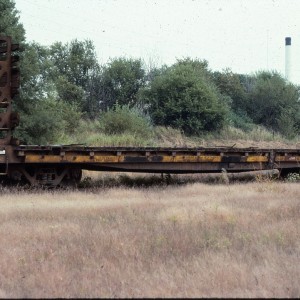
pixel 241 121
pixel 47 121
pixel 184 97
pixel 293 177
pixel 274 103
pixel 123 119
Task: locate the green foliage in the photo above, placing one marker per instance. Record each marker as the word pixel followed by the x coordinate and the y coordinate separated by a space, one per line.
pixel 69 92
pixel 257 133
pixel 241 120
pixel 89 133
pixel 121 80
pixel 34 83
pixel 9 21
pixel 74 65
pixel 123 119
pixel 234 86
pixel 75 60
pixel 293 177
pixel 47 121
pixel 274 103
pixel 184 97
pixel 117 140
pixel 44 117
pixel 230 85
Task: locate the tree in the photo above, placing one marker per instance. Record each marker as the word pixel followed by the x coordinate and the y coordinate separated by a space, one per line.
pixel 230 85
pixel 34 80
pixel 121 80
pixel 76 61
pixel 43 116
pixel 274 103
pixel 73 66
pixel 70 93
pixel 47 121
pixel 9 21
pixel 184 97
pixel 233 87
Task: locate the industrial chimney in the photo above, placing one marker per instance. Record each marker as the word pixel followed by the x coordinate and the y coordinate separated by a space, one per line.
pixel 288 42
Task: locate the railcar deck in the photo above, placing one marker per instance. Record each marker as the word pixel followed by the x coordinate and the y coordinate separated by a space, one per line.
pixel 51 165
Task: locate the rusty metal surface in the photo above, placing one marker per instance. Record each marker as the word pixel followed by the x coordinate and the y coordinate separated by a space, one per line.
pixel 5 92
pixel 173 160
pixel 40 164
pixel 9 83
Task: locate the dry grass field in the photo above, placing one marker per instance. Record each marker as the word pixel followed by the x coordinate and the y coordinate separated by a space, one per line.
pixel 190 240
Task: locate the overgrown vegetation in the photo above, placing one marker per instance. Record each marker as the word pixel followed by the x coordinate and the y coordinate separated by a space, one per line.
pixel 65 90
pixel 123 119
pixel 183 97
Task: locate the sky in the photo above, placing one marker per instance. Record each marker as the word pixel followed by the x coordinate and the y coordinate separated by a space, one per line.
pixel 245 36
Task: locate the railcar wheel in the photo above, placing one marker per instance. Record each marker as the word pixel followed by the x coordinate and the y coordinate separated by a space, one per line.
pixel 72 177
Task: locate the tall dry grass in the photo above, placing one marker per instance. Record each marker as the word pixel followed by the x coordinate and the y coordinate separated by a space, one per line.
pixel 91 133
pixel 194 240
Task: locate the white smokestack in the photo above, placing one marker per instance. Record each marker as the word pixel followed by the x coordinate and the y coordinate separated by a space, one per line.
pixel 288 43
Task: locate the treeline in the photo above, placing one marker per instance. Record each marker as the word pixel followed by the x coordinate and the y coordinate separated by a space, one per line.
pixel 64 83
